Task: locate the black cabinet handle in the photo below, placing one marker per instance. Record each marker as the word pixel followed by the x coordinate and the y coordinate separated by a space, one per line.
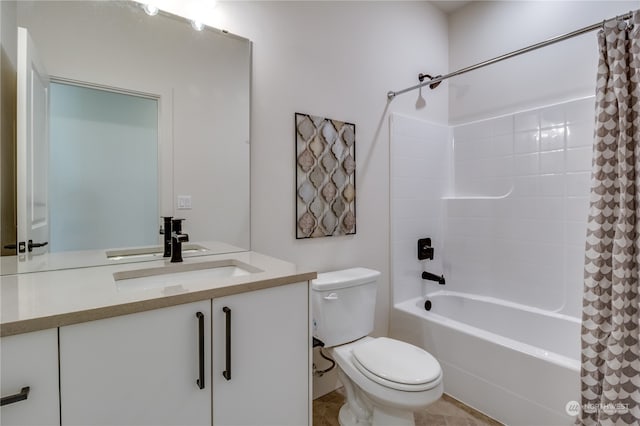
pixel 200 380
pixel 24 394
pixel 227 372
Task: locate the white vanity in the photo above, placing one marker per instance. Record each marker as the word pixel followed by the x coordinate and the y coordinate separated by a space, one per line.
pixel 224 343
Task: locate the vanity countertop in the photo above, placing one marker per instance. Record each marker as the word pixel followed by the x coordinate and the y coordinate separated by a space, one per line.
pixel 41 300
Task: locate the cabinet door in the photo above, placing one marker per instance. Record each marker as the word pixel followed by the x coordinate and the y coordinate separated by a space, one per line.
pixel 268 380
pixel 30 361
pixel 138 369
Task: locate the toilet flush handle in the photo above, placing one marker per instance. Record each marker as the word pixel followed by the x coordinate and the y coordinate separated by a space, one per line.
pixel 331 296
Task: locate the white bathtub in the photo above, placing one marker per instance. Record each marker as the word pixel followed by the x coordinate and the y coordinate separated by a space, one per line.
pixel 517 364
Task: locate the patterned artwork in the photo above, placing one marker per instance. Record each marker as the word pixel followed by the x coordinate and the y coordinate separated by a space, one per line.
pixel 325 177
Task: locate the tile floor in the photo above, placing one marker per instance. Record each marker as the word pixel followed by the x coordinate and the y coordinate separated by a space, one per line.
pixel 447 411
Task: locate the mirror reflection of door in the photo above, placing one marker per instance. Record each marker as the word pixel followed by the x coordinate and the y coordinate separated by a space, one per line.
pixel 31 148
pixel 103 177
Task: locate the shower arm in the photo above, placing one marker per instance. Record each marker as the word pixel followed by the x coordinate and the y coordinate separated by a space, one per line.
pixel 433 82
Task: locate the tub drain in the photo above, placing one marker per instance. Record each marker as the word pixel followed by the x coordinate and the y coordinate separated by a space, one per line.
pixel 427 305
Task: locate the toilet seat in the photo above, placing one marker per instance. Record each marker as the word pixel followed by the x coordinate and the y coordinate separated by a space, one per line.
pixel 397 365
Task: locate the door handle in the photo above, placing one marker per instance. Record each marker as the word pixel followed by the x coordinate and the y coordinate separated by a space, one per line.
pixel 200 381
pixel 22 247
pixel 31 245
pixel 21 396
pixel 227 372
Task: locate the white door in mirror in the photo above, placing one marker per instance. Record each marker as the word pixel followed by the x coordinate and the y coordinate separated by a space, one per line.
pixel 32 148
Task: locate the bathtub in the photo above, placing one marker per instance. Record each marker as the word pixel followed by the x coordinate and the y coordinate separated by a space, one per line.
pixel 517 364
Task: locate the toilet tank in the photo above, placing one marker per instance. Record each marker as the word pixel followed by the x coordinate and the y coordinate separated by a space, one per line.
pixel 343 305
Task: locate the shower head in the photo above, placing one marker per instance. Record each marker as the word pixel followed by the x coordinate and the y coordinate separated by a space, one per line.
pixel 432 86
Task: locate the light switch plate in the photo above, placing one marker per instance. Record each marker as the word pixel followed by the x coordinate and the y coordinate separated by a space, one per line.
pixel 184 202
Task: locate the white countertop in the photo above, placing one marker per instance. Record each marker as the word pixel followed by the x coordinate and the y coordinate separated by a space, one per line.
pixel 39 300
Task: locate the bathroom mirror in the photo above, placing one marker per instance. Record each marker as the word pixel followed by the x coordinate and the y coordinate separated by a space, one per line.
pixel 201 81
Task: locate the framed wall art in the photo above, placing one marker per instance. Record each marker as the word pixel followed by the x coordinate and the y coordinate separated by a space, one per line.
pixel 325 177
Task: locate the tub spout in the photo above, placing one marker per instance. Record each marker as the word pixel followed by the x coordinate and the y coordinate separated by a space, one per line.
pixel 433 277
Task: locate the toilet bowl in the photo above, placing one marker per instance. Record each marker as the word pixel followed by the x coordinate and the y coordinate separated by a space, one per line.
pixel 385 380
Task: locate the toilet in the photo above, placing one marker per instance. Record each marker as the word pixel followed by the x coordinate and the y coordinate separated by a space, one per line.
pixel 385 380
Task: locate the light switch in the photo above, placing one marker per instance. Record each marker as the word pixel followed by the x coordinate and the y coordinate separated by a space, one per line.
pixel 184 202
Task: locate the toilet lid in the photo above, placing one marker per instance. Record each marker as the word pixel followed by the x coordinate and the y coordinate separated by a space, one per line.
pixel 397 362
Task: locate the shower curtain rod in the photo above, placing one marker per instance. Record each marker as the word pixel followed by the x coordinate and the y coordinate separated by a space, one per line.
pixel 433 81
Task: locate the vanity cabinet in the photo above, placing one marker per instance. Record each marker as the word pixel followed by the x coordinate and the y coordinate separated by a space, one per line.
pixel 148 368
pixel 29 379
pixel 241 359
pixel 261 348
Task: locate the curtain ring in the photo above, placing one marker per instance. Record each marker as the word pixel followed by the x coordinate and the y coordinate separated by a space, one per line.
pixel 629 21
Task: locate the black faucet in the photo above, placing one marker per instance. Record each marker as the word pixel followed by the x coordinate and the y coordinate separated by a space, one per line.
pixel 177 238
pixel 166 231
pixel 433 277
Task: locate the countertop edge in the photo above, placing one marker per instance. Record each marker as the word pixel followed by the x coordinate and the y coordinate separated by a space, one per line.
pixel 77 317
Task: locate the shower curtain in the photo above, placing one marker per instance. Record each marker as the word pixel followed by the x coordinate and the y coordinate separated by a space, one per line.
pixel 610 373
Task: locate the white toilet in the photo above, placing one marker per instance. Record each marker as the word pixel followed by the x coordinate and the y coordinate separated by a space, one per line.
pixel 385 380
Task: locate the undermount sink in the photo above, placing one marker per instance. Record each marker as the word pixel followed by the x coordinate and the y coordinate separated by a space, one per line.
pixel 151 252
pixel 175 275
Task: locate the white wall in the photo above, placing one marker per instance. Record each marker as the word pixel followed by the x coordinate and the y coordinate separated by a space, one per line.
pixel 338 60
pixel 563 71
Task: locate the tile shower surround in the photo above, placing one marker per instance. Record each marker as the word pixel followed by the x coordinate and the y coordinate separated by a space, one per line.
pixel 420 154
pixel 505 199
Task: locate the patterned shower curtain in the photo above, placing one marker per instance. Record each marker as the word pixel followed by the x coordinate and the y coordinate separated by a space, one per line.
pixel 610 375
